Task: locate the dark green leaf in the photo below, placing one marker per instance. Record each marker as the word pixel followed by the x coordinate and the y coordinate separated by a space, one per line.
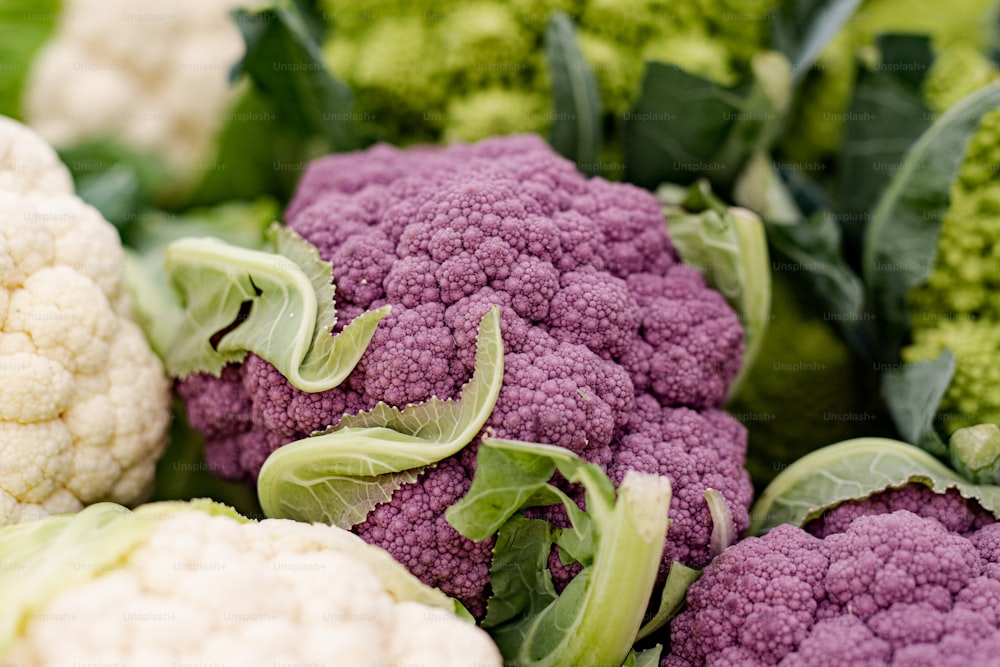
pixel 803 28
pixel 576 128
pixel 855 470
pixel 284 60
pixel 519 578
pixel 812 247
pixel 684 127
pixel 885 116
pixel 901 241
pixel 256 154
pixel 117 180
pixel 913 393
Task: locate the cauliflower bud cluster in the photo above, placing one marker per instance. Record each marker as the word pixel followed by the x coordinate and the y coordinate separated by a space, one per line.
pixel 151 73
pixel 193 584
pixel 614 349
pixel 84 404
pixel 906 577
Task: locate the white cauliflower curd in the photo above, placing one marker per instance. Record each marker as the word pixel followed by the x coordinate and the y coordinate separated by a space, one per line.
pixel 194 583
pixel 84 403
pixel 153 74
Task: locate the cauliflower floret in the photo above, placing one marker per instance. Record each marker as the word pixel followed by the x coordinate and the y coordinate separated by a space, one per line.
pixel 137 86
pixel 84 404
pixel 205 587
pixel 907 577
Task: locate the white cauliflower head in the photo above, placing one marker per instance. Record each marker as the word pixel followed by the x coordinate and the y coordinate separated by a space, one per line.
pixel 84 402
pixel 153 74
pixel 194 583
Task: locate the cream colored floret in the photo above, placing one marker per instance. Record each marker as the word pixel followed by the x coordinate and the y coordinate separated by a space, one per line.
pixel 84 404
pixel 207 589
pixel 151 73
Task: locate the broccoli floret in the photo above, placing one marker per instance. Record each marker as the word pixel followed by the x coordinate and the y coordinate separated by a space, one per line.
pixel 958 308
pixel 613 348
pixel 905 577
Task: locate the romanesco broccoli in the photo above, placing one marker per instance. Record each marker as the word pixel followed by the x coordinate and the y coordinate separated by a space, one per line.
pixel 959 38
pixel 959 307
pixel 448 71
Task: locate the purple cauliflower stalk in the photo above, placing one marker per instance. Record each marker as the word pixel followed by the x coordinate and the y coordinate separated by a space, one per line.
pixel 613 348
pixel 907 577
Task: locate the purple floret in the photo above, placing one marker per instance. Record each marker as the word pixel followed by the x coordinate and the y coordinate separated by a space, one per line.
pixel 880 585
pixel 613 348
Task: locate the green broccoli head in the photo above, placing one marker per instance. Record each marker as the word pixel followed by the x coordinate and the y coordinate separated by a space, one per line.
pixel 959 305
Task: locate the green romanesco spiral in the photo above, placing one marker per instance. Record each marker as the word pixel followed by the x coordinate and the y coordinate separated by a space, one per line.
pixel 446 71
pixel 959 305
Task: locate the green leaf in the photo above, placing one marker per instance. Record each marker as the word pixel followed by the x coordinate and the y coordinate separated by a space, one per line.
pixel 649 657
pixel 684 127
pixel 285 62
pixel 155 306
pixel 813 246
pixel 672 597
pixel 729 247
pixel 901 241
pixel 519 578
pixel 885 116
pixel 803 28
pixel 855 470
pixel 596 619
pixel 278 306
pixel 25 27
pixel 117 180
pixel 912 393
pixel 576 128
pixel 339 476
pixel 256 153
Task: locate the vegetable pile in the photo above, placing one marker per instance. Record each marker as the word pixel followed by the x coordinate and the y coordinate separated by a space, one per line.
pixel 549 334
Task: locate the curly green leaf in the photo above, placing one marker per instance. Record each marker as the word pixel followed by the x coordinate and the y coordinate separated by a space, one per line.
pixel 278 306
pixel 339 476
pixel 854 470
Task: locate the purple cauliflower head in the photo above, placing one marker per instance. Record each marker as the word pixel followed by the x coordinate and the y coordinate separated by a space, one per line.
pixel 906 577
pixel 613 348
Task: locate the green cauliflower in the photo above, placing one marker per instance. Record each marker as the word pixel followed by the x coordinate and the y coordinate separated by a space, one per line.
pixel 448 71
pixel 959 306
pixel 959 36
